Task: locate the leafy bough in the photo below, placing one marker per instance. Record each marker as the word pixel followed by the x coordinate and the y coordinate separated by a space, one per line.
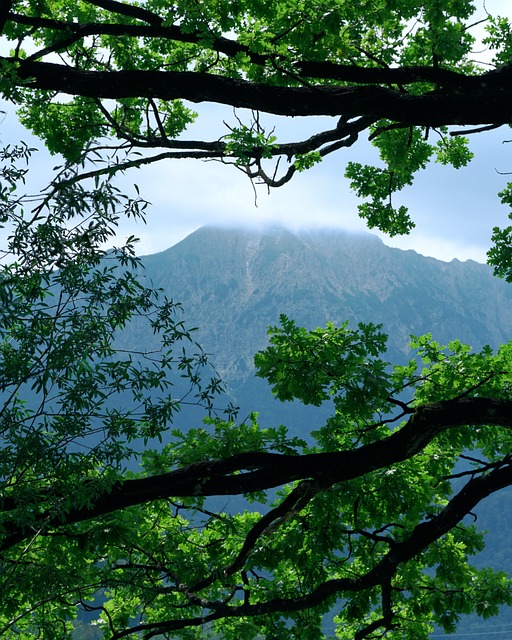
pixel 371 514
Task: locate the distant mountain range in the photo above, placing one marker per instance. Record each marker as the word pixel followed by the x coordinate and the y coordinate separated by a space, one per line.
pixel 234 283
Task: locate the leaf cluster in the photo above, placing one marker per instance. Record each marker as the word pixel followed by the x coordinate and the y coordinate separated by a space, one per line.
pixel 404 71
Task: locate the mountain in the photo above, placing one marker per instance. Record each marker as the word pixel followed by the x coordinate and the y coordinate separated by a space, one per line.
pixel 233 283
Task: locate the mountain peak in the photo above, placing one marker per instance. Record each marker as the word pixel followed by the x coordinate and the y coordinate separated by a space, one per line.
pixel 233 283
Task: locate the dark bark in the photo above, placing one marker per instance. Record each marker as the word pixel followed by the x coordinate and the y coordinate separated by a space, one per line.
pixel 485 99
pixel 319 70
pixel 5 7
pixel 380 575
pixel 258 471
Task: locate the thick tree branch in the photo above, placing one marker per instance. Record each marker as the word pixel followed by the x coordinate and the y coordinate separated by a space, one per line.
pixel 319 70
pixel 483 99
pixel 128 10
pixel 258 471
pixel 380 575
pixel 5 8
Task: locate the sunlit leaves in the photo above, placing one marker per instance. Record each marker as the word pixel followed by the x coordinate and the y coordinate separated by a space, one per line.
pixel 246 142
pixel 66 128
pixel 499 38
pixel 453 151
pixel 404 152
pixel 500 254
pixel 315 366
pixel 307 160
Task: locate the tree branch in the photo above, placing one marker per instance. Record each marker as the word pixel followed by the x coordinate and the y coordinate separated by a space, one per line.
pixel 258 471
pixel 292 504
pixel 485 99
pixel 319 70
pixel 5 8
pixel 381 574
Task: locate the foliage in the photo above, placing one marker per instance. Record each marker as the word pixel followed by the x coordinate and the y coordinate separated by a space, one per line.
pixel 404 71
pixel 75 408
pixel 500 254
pixel 291 364
pixel 109 507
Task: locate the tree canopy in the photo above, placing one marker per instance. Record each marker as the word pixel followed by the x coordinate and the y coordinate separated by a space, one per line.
pixel 404 73
pixel 105 505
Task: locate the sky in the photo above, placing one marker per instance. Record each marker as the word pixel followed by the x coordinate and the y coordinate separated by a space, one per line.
pixel 454 211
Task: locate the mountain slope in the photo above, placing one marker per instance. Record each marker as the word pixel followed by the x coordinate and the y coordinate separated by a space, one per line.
pixel 234 283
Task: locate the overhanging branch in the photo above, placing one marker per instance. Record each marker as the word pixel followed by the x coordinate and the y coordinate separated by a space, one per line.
pixel 153 27
pixel 381 574
pixel 258 471
pixel 484 99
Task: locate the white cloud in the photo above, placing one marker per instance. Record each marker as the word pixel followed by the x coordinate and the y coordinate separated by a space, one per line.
pixel 454 211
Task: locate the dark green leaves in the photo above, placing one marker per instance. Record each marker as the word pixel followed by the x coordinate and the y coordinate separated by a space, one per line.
pixel 75 404
pixel 500 254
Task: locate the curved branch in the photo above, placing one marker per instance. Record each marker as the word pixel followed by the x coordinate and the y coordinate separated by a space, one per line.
pixel 320 70
pixel 76 31
pixel 345 134
pixel 347 131
pixel 257 471
pixel 381 574
pixel 292 504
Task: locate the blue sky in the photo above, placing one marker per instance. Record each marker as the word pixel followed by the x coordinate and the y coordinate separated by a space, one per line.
pixel 454 211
